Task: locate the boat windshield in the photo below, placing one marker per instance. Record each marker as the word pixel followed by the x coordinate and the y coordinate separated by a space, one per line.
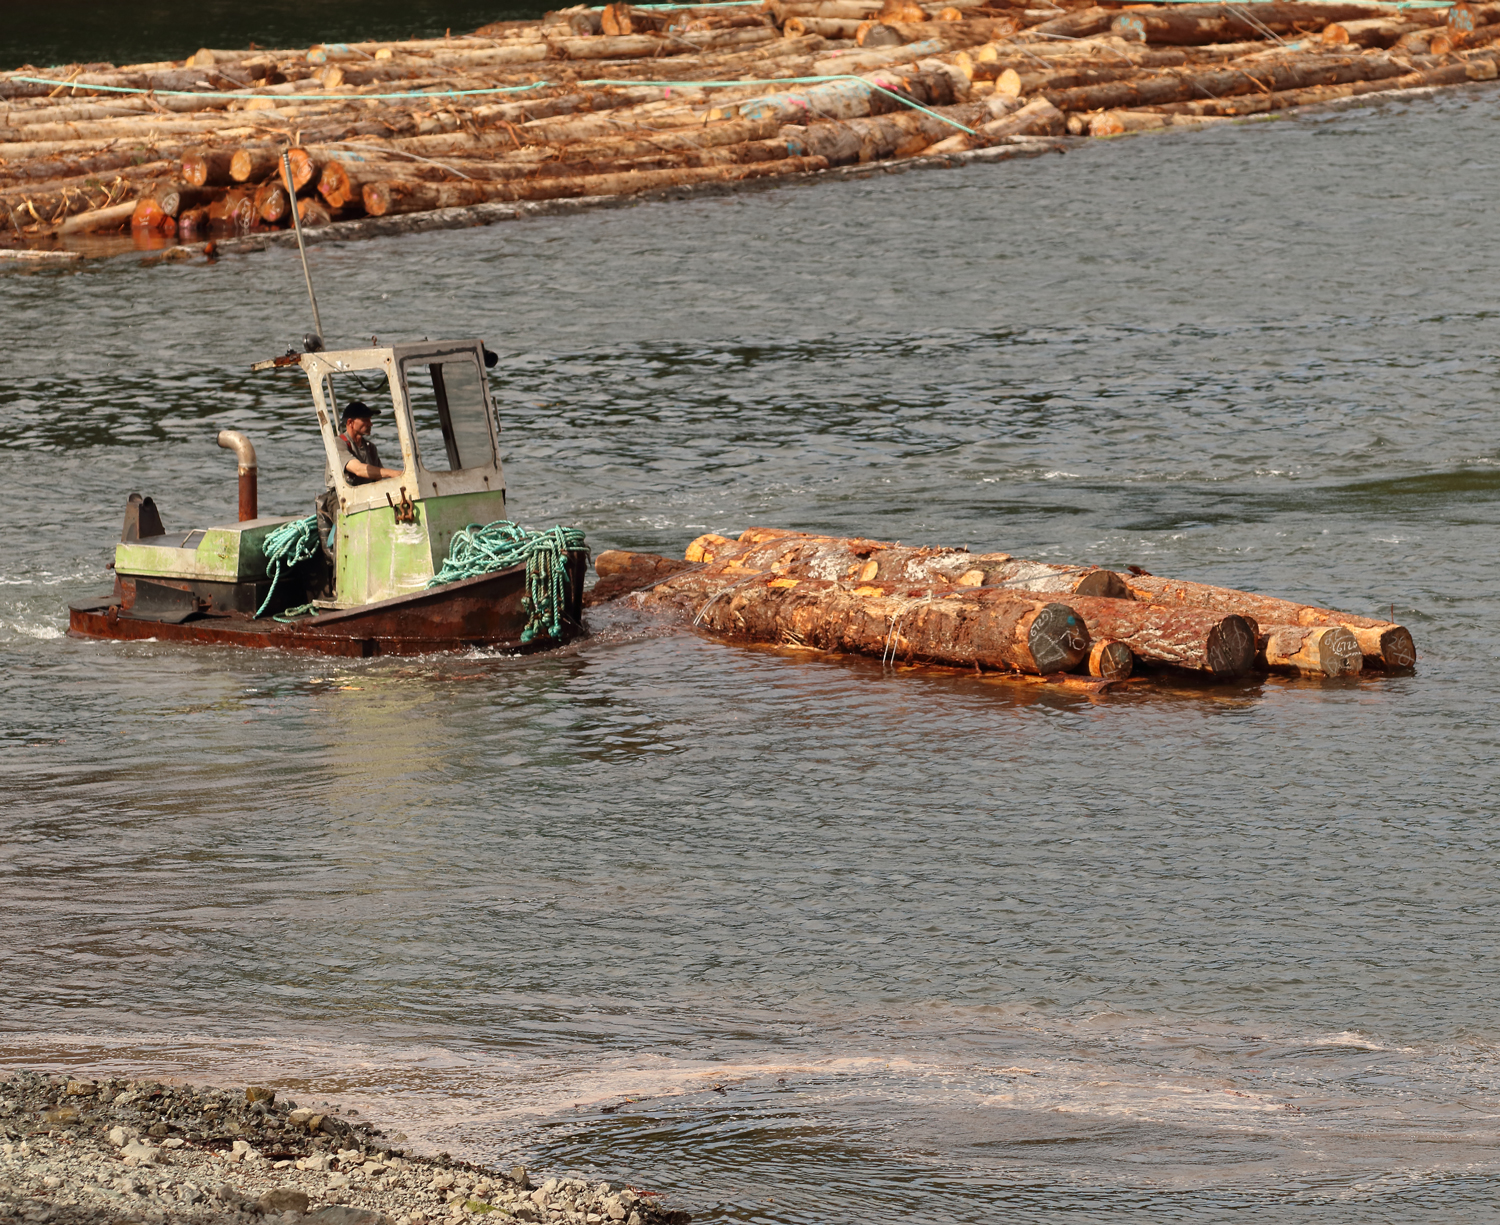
pixel 450 414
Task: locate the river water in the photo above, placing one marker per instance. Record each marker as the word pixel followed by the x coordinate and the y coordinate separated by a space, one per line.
pixel 793 939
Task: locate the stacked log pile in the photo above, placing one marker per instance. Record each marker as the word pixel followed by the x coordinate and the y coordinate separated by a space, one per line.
pixel 622 100
pixel 991 612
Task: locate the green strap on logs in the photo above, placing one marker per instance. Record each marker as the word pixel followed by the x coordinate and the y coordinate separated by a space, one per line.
pixel 500 545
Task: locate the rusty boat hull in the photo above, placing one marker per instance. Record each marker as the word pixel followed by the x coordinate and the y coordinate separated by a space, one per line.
pixel 479 612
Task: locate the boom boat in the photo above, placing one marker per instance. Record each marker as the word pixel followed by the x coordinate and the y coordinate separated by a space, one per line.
pixel 397 566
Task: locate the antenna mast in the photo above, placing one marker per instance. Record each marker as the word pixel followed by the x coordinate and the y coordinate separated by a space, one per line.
pixel 286 170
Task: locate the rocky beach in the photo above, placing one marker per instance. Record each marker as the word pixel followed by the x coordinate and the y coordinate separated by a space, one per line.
pixel 76 1151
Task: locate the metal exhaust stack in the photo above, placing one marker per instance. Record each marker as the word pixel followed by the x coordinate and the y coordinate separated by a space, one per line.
pixel 244 451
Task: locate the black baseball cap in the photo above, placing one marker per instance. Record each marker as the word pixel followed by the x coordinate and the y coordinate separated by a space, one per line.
pixel 358 408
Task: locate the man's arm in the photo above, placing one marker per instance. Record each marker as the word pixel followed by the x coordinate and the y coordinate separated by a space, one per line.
pixel 369 472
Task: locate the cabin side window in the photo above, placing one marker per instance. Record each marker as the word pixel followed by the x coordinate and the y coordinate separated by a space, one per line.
pixel 449 413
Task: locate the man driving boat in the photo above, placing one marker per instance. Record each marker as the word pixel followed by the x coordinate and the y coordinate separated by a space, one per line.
pixel 356 449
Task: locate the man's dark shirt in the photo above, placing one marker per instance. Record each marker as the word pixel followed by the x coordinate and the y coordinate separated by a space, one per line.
pixel 362 450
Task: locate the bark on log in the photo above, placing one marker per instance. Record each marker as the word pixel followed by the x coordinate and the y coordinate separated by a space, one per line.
pixel 827 27
pixel 1212 23
pixel 1037 118
pixel 343 179
pixel 1117 123
pixel 1271 76
pixel 857 560
pixel 1213 643
pixel 1301 650
pixel 386 199
pixel 98 219
pixel 950 35
pixel 621 572
pixel 979 629
pixel 1381 32
pixel 1085 23
pixel 1382 643
pixel 1197 640
pixel 1476 69
pixel 847 10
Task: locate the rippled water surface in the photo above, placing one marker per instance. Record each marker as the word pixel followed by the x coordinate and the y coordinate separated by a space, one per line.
pixel 792 939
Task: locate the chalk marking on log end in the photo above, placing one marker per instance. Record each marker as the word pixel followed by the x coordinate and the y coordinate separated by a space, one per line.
pixel 1056 638
pixel 1231 647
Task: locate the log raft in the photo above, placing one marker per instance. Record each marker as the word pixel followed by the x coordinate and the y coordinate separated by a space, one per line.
pixel 987 611
pixel 622 101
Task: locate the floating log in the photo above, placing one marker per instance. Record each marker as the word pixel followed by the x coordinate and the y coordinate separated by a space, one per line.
pixel 1381 32
pixel 981 629
pixel 1302 650
pixel 1219 645
pixel 394 197
pixel 1215 23
pixel 855 560
pixel 1269 76
pixel 621 572
pixel 110 218
pixel 1214 643
pixel 1085 23
pixel 1382 643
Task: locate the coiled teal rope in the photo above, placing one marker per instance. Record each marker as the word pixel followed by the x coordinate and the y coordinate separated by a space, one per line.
pixel 497 546
pixel 286 548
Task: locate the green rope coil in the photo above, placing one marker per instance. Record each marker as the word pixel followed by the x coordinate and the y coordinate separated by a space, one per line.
pixel 286 548
pixel 500 545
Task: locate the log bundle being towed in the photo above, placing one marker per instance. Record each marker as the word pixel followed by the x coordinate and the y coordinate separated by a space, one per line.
pixel 619 101
pixel 991 612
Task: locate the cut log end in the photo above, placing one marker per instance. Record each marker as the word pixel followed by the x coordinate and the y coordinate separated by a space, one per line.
pixel 1386 646
pixel 1102 582
pixel 1057 639
pixel 1111 660
pixel 1231 647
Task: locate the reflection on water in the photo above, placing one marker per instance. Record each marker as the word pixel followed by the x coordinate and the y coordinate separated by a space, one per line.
pixel 799 939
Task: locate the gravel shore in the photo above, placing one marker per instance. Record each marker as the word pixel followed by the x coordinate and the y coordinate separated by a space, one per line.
pixel 141 1151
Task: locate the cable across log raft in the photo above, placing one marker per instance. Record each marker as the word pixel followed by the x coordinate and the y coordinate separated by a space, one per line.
pixel 991 612
pixel 622 101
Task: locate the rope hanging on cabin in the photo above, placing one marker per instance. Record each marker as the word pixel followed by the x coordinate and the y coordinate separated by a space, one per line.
pixel 497 546
pixel 286 548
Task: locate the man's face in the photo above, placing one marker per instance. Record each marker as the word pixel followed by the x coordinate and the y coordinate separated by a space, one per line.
pixel 358 427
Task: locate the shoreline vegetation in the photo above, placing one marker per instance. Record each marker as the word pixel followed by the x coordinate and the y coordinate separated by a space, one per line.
pixel 76 1151
pixel 595 107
